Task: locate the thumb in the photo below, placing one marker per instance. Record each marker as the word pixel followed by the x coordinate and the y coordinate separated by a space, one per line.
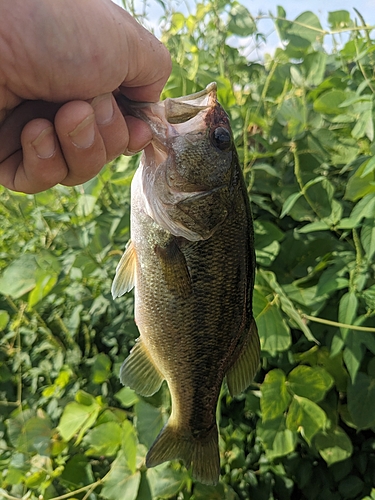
pixel 147 60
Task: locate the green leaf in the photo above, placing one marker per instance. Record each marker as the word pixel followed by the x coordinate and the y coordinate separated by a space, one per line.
pixel 365 124
pixel 307 26
pixel 149 422
pixel 286 304
pixel 120 484
pixel 240 22
pixel 77 472
pixel 274 333
pixel 30 434
pixel 45 281
pixel 333 445
pixel 311 383
pixel 338 19
pixel 275 396
pixel 144 491
pixel 361 401
pixel 315 65
pixel 353 354
pixel 329 102
pixel 4 319
pixel 306 417
pixel 129 445
pixel 165 482
pixel 277 440
pixel 370 166
pixel 368 238
pixel 347 311
pixel 360 185
pixel 289 203
pixel 127 397
pixel 86 205
pixel 351 487
pixel 77 418
pixel 293 115
pixel 103 439
pixel 19 277
pixel 101 368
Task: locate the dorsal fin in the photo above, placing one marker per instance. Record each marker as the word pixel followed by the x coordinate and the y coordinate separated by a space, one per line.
pixel 124 279
pixel 241 374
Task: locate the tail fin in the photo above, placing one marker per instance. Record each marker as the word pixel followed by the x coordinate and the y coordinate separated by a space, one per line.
pixel 201 453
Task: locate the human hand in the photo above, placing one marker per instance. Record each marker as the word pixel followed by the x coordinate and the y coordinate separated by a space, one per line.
pixel 60 63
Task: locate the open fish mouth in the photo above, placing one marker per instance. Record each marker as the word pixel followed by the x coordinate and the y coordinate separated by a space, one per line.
pixel 172 116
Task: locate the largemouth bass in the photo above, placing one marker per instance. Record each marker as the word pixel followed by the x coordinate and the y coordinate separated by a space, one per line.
pixel 191 260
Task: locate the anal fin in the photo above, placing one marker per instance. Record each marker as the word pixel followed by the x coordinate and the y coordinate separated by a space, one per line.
pixel 139 372
pixel 124 279
pixel 240 375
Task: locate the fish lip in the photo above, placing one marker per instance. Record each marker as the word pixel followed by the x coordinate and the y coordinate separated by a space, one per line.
pixel 171 111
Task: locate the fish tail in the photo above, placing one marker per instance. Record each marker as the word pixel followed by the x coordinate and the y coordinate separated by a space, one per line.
pixel 202 453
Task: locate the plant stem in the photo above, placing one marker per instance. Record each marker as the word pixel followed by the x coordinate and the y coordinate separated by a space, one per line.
pixel 339 325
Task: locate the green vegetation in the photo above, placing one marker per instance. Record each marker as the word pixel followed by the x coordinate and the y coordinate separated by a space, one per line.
pixel 304 125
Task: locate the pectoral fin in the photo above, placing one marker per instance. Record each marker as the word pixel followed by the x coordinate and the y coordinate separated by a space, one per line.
pixel 240 375
pixel 139 372
pixel 124 279
pixel 175 269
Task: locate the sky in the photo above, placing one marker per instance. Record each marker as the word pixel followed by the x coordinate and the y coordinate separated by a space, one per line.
pixel 292 7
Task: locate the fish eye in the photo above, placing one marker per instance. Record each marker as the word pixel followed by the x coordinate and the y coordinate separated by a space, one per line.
pixel 222 138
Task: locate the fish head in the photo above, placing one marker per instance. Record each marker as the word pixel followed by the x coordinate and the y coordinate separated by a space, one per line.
pixel 200 142
pixel 189 168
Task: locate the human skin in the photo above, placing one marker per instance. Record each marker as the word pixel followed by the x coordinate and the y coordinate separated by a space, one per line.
pixel 60 64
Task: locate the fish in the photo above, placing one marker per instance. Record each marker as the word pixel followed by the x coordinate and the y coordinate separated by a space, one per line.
pixel 191 262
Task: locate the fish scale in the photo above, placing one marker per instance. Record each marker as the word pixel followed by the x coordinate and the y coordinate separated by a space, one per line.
pixel 192 262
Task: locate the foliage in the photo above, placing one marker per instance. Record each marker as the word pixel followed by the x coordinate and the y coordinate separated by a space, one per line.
pixel 304 125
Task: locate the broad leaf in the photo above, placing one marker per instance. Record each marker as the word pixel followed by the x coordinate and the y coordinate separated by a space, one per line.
pixel 120 483
pixel 361 401
pixel 333 445
pixel 275 396
pixel 311 383
pixel 305 417
pixel 104 439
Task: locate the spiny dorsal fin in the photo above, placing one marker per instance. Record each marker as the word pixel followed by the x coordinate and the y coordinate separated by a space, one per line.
pixel 240 375
pixel 175 269
pixel 139 372
pixel 124 279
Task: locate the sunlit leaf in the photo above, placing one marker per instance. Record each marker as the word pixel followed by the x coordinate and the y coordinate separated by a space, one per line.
pixel 129 445
pixel 77 418
pixel 306 417
pixel 101 368
pixel 103 439
pixel 333 445
pixel 165 482
pixel 273 331
pixel 120 483
pixel 311 383
pixel 275 396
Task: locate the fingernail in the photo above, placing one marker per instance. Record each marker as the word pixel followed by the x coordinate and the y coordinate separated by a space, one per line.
pixel 45 144
pixel 84 134
pixel 103 108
